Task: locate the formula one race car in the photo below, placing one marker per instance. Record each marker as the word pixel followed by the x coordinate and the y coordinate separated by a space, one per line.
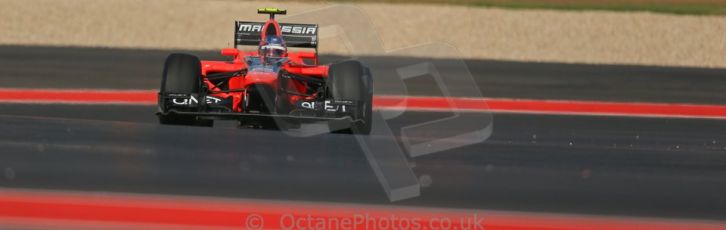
pixel 270 87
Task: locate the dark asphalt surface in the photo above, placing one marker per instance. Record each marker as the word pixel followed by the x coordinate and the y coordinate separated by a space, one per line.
pixel 546 163
pixel 48 67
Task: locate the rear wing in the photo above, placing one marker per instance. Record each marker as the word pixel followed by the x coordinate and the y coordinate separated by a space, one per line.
pixel 295 35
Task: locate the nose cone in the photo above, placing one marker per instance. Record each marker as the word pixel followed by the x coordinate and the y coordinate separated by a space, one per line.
pixel 261 77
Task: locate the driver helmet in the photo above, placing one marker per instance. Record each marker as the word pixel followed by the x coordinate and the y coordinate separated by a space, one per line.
pixel 272 48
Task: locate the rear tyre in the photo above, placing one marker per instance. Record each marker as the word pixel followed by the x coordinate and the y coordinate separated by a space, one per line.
pixel 182 74
pixel 350 80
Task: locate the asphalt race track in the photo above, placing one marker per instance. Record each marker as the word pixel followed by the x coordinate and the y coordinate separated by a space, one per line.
pixel 655 167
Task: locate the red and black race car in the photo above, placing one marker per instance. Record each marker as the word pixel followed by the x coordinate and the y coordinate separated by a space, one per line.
pixel 270 87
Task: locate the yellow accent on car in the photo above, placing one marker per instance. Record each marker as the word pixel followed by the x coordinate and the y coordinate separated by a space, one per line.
pixel 271 10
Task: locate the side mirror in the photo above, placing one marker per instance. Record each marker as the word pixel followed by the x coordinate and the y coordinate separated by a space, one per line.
pixel 230 52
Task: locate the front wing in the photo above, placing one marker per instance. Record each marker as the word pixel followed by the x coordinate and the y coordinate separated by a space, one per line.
pixel 216 108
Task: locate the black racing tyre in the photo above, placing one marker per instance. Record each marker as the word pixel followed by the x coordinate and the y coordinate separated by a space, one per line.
pixel 350 80
pixel 182 74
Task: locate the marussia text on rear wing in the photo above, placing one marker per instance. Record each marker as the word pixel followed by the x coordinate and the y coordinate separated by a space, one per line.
pixel 295 35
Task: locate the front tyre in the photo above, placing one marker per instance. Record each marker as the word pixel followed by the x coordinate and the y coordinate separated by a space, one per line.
pixel 182 74
pixel 350 80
